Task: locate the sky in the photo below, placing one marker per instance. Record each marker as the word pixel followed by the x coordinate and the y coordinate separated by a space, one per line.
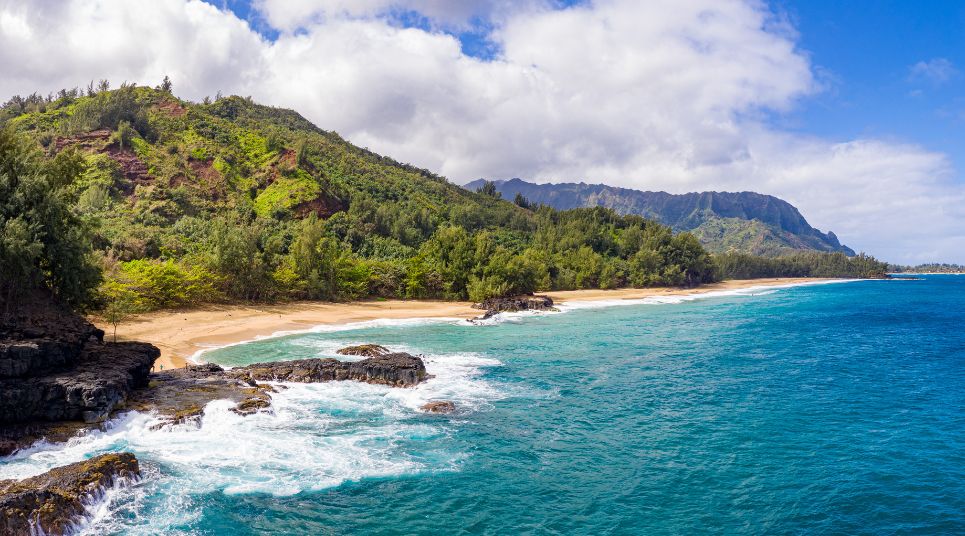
pixel 852 111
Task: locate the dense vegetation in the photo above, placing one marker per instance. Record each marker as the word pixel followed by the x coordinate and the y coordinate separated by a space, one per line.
pixel 184 203
pixel 931 268
pixel 806 264
pixel 42 241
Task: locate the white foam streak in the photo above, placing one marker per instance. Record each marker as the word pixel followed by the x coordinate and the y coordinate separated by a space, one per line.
pixel 758 290
pixel 576 305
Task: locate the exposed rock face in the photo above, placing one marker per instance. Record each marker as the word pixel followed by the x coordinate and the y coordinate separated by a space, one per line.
pixel 365 350
pixel 439 406
pixel 101 380
pixel 54 502
pixel 396 369
pixel 39 336
pixel 55 369
pixel 494 306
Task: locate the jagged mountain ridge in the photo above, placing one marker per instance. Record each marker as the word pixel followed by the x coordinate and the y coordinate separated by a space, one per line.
pixel 723 221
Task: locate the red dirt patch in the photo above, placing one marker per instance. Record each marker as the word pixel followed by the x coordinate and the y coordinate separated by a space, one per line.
pixel 132 167
pixel 172 108
pixel 208 177
pixel 287 160
pixel 323 207
pixel 93 139
pixel 177 180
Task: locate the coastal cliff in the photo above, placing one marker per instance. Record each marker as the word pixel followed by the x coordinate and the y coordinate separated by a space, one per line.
pixel 56 371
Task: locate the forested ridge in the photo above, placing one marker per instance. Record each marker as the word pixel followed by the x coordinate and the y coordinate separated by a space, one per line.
pixel 134 198
pixel 724 222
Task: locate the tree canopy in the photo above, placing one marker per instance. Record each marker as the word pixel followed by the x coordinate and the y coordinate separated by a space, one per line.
pixel 43 243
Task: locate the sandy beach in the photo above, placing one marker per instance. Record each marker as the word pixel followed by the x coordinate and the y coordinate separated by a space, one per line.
pixel 182 333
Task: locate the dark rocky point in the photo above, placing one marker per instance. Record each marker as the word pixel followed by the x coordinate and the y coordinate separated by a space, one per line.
pixel 58 377
pixel 56 371
pixel 180 395
pixel 100 380
pixel 396 369
pixel 56 501
pixel 512 304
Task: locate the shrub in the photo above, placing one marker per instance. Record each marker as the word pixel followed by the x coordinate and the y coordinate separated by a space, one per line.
pixel 152 284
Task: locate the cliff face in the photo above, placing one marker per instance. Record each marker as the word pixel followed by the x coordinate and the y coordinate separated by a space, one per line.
pixel 743 221
pixel 54 365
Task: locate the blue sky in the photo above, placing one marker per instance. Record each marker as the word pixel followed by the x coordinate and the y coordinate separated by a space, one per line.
pixel 866 51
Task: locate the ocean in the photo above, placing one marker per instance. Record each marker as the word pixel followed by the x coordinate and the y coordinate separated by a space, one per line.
pixel 818 409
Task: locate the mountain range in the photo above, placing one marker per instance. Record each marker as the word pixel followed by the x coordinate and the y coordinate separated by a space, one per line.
pixel 746 222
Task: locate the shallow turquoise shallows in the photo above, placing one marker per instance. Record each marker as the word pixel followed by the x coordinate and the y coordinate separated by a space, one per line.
pixel 821 409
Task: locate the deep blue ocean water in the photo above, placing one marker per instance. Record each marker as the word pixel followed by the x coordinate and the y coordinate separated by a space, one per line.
pixel 824 409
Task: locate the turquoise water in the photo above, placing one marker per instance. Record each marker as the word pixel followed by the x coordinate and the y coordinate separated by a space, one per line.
pixel 824 409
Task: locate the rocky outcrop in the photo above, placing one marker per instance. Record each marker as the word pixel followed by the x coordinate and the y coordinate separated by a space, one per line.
pixel 494 306
pixel 40 336
pixel 365 350
pixel 396 369
pixel 180 395
pixel 55 370
pixel 99 382
pixel 439 406
pixel 57 501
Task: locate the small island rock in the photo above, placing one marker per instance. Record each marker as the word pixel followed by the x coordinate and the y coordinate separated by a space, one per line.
pixel 439 406
pixel 512 304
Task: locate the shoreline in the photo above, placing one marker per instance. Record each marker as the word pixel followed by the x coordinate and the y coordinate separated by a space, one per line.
pixel 184 334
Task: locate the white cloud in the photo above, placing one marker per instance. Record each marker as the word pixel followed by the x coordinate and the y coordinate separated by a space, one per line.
pixel 662 94
pixel 937 71
pixel 68 43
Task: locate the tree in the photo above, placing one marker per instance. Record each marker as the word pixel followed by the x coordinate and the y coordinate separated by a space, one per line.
pixel 124 134
pixel 119 309
pixel 489 188
pixel 166 85
pixel 42 242
pixel 237 255
pixel 315 258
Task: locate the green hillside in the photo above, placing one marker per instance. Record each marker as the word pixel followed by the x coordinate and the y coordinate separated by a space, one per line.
pixel 230 200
